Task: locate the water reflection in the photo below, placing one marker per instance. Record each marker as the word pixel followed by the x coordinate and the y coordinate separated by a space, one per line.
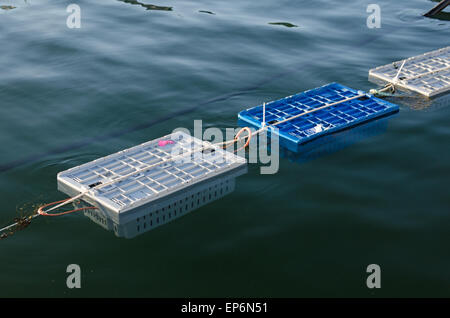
pixel 419 102
pixel 335 142
pixel 142 219
pixel 147 6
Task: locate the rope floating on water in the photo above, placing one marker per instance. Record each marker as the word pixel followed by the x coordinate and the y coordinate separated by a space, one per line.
pixel 388 90
pixel 19 224
pixel 23 222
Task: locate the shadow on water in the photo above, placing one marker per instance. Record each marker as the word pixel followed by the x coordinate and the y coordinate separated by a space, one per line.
pixel 147 6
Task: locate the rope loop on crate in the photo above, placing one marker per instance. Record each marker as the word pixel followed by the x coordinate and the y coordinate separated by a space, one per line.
pixel 41 211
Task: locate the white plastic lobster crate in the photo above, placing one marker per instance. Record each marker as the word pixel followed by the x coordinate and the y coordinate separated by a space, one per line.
pixel 427 74
pixel 162 183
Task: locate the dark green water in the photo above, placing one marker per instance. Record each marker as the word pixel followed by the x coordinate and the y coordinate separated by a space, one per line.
pixel 132 73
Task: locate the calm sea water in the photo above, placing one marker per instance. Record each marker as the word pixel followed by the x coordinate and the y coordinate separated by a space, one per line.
pixel 132 73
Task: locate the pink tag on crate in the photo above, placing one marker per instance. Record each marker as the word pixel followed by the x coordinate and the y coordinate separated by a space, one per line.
pixel 163 143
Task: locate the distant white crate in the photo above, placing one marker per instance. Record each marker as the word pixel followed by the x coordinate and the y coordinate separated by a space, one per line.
pixel 427 74
pixel 151 197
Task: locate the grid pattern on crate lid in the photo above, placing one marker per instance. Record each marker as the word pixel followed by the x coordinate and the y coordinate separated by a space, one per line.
pixel 309 125
pixel 411 75
pixel 159 178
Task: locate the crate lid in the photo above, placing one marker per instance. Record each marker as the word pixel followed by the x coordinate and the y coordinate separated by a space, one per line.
pixel 151 171
pixel 321 122
pixel 427 74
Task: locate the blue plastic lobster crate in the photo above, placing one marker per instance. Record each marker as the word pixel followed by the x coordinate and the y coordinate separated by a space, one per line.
pixel 301 130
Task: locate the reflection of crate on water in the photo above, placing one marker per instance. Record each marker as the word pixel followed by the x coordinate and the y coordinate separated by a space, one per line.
pixel 180 205
pixel 165 191
pixel 335 142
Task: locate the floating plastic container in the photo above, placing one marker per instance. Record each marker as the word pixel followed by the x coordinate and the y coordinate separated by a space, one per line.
pixel 299 131
pixel 157 188
pixel 427 74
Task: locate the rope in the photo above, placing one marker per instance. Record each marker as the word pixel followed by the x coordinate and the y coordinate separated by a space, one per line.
pixel 40 212
pixel 236 139
pixel 398 73
pixel 225 145
pixel 264 115
pixel 249 137
pixel 319 108
pixel 19 222
pixel 382 92
pixel 389 87
pixel 23 222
